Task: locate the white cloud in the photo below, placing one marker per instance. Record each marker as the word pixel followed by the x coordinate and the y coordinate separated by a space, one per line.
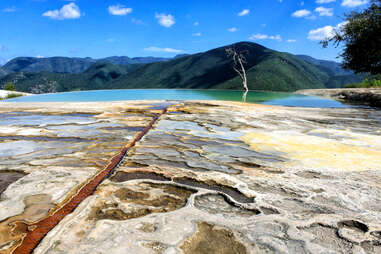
pixel 276 37
pixel 353 3
pixel 301 13
pixel 165 20
pixel 291 40
pixel 324 1
pixel 68 11
pixel 341 25
pixel 196 34
pixel 324 11
pixel 9 9
pixel 321 33
pixel 40 56
pixel 256 37
pixel 233 29
pixel 244 12
pixel 196 23
pixel 326 32
pixel 166 50
pixel 119 10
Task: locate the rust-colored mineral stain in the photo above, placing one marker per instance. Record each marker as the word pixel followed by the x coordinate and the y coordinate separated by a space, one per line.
pixel 41 228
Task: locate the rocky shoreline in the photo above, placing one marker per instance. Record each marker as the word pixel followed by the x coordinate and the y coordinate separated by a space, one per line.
pixel 364 96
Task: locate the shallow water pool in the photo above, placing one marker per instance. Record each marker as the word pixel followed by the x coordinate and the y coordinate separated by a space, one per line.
pixel 270 98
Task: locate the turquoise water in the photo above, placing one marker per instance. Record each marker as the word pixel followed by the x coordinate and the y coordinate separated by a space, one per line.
pixel 270 98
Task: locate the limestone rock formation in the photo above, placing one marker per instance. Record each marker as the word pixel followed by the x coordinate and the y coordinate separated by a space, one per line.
pixel 208 177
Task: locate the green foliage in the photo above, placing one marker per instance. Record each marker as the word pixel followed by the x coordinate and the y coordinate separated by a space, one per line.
pixel 370 82
pixel 361 35
pixel 10 96
pixel 340 81
pixel 9 86
pixel 281 72
pixel 13 95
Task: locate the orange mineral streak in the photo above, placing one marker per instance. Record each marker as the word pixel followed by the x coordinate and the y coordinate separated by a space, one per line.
pixel 37 231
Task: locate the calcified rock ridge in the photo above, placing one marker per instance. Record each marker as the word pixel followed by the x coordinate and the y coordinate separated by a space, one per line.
pixel 211 177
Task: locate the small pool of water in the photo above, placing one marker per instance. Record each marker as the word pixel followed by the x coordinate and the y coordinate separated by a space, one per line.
pixel 270 98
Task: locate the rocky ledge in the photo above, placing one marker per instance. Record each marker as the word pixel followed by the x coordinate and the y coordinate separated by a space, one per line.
pixel 205 177
pixel 364 96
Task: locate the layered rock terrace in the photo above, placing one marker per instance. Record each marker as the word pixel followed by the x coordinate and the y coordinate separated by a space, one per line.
pixel 189 177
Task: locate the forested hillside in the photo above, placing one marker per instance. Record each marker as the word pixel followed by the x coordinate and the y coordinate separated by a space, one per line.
pixel 266 70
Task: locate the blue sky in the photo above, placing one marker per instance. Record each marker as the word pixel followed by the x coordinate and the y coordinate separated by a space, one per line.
pixel 96 28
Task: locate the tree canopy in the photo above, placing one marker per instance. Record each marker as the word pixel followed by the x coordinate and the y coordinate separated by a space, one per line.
pixel 361 34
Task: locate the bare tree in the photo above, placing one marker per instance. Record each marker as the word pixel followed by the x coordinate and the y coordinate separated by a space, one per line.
pixel 238 66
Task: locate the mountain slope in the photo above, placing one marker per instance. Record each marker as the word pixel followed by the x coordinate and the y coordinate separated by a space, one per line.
pixel 96 77
pixel 281 72
pixel 266 70
pixel 70 65
pixel 339 77
pixel 52 64
pixel 332 67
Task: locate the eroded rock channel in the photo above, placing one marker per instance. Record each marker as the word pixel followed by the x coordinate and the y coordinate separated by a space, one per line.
pixel 207 177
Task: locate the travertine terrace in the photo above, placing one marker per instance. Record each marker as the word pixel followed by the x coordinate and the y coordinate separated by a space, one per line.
pixel 196 177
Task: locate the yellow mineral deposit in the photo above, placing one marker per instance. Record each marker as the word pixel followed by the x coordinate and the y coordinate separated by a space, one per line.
pixel 361 152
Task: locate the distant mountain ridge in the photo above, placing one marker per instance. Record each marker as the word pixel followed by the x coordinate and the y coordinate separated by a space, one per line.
pixel 266 70
pixel 326 65
pixel 70 65
pixel 77 65
pixel 338 76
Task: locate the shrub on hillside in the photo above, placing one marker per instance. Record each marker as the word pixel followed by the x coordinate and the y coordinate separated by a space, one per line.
pixel 9 87
pixel 370 82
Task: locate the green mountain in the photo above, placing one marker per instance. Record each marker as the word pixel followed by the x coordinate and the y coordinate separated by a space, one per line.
pixel 332 67
pixel 51 64
pixel 96 77
pixel 341 80
pixel 70 65
pixel 339 77
pixel 266 70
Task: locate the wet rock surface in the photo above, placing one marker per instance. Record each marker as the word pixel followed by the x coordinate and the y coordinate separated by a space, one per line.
pixel 52 151
pixel 6 178
pixel 210 177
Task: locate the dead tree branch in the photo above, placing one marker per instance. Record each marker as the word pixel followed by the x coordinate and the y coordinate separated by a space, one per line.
pixel 239 61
